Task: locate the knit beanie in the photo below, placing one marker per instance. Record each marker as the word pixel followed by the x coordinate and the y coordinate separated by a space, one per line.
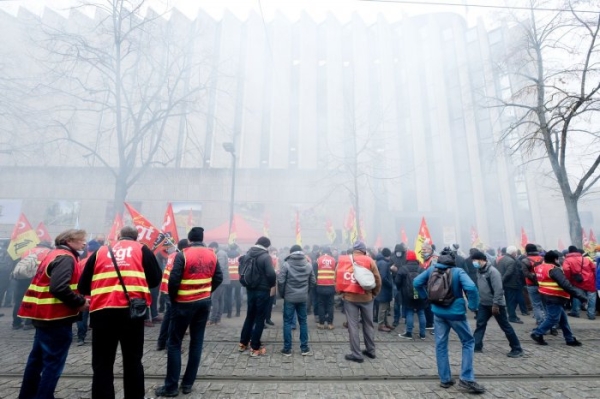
pixel 196 234
pixel 264 241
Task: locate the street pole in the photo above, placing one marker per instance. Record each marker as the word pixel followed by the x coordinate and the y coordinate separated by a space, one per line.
pixel 231 149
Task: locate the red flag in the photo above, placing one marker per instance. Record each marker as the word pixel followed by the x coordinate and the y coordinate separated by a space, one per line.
pixel 22 238
pixel 584 239
pixel 42 232
pixel 266 226
pixel 378 242
pixel 298 231
pixel 116 227
pixel 475 241
pixel 561 245
pixel 190 220
pixel 148 234
pixel 169 227
pixel 422 238
pixel 403 237
pixel 524 239
pixel 330 231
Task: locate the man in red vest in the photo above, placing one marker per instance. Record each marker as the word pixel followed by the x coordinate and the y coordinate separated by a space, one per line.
pixel 53 304
pixel 325 272
pixel 195 275
pixel 109 311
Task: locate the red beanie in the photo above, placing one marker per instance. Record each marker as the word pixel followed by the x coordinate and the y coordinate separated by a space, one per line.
pixel 411 255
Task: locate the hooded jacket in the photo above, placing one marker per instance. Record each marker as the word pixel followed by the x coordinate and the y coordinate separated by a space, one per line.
pixel 265 264
pixel 511 272
pixel 387 280
pixel 401 260
pixel 489 284
pixel 223 263
pixel 575 263
pixel 295 278
pixel 408 293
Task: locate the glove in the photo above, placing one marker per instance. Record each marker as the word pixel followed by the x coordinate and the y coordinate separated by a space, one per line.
pixel 495 310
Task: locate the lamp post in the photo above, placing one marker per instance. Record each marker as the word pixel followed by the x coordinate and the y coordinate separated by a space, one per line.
pixel 229 147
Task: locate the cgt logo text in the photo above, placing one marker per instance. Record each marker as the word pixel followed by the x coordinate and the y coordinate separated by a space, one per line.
pixel 349 276
pixel 121 253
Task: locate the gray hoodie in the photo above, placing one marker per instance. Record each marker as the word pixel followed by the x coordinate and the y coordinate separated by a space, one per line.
pixel 488 279
pixel 295 278
pixel 224 264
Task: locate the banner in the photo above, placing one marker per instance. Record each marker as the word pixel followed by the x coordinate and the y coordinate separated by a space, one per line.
pixel 169 228
pixel 524 239
pixel 330 231
pixel 148 234
pixel 422 238
pixel 298 231
pixel 115 229
pixel 403 237
pixel 23 237
pixel 475 241
pixel 42 233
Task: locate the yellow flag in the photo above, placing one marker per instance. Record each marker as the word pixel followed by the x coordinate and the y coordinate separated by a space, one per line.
pixel 422 238
pixel 23 238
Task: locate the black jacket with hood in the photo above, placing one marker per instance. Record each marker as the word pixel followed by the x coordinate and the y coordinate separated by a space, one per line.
pixel 265 265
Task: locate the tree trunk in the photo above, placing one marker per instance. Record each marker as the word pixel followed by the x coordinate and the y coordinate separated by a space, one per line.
pixel 121 189
pixel 571 204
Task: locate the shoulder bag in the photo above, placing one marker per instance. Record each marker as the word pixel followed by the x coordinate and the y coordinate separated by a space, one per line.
pixel 363 276
pixel 137 306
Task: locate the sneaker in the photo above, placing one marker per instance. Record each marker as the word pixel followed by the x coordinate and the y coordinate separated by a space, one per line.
pixel 186 390
pixel 157 319
pixel 591 317
pixel 80 342
pixel 515 353
pixel 406 335
pixel 383 328
pixel 554 331
pixel 422 337
pixel 320 326
pixel 258 352
pixel 162 391
pixel 429 327
pixel 574 315
pixel 368 354
pixel 330 326
pixel 447 384
pixel 242 347
pixel 395 324
pixel 477 350
pixel 160 347
pixel 17 327
pixel 286 352
pixel 353 359
pixel 471 386
pixel 307 352
pixel 574 342
pixel 269 322
pixel 538 338
pixel 516 321
pixel 28 327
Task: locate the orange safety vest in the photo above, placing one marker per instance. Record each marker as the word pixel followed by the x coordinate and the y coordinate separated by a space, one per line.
pixel 547 286
pixel 164 284
pixel 344 275
pixel 107 291
pixel 38 303
pixel 198 271
pixel 234 266
pixel 326 270
pixel 533 260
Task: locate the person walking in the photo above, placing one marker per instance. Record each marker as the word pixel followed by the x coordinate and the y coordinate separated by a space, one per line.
pixel 294 282
pixel 195 275
pixel 53 306
pixel 131 266
pixel 492 303
pixel 581 273
pixel 258 297
pixel 511 282
pixel 451 316
pixel 358 302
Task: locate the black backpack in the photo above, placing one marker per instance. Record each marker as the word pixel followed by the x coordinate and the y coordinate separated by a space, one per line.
pixel 439 287
pixel 410 278
pixel 250 275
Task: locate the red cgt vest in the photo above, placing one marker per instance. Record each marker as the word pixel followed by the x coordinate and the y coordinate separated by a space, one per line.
pixel 344 276
pixel 199 268
pixel 38 303
pixel 107 291
pixel 234 264
pixel 547 285
pixel 164 284
pixel 326 270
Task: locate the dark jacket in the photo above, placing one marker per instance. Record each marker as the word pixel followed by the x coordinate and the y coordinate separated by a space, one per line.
pixel 265 264
pixel 177 274
pixel 399 261
pixel 387 280
pixel 557 275
pixel 61 271
pixel 528 264
pixel 296 277
pixel 406 288
pixel 510 270
pixel 470 269
pixel 489 284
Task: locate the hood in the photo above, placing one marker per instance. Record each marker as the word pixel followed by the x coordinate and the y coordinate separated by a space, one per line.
pixel 296 256
pixel 379 257
pixel 297 260
pixel 233 253
pixel 399 248
pixel 257 250
pixel 573 255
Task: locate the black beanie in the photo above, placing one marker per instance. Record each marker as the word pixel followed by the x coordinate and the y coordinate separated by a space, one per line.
pixel 264 241
pixel 386 252
pixel 196 234
pixel 551 257
pixel 479 256
pixel 573 249
pixel 530 248
pixel 295 248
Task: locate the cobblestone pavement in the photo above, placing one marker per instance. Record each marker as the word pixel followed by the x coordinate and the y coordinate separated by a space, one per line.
pixel 403 369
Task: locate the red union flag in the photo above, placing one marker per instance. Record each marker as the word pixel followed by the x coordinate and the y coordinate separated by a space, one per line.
pixel 298 231
pixel 169 228
pixel 330 231
pixel 422 238
pixel 42 233
pixel 475 241
pixel 113 235
pixel 592 239
pixel 148 234
pixel 561 245
pixel 524 239
pixel 584 239
pixel 403 237
pixel 23 237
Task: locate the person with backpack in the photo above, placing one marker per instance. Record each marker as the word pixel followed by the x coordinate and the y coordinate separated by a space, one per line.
pixel 492 303
pixel 383 300
pixel 580 270
pixel 443 284
pixel 529 262
pixel 410 298
pixel 258 276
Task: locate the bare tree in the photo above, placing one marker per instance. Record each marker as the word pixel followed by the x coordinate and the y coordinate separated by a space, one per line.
pixel 553 62
pixel 114 89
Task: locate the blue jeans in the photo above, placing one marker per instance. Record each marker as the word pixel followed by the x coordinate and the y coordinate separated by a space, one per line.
pixel 289 310
pixel 258 301
pixel 511 295
pixel 183 315
pixel 442 330
pixel 539 309
pixel 46 362
pixel 555 315
pixel 397 306
pixel 163 335
pixel 591 305
pixel 82 326
pixel 410 323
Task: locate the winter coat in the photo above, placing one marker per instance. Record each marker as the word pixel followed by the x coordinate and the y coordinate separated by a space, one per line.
pixel 460 282
pixel 510 270
pixel 576 263
pixel 369 295
pixel 387 281
pixel 265 265
pixel 399 261
pixel 295 278
pixel 557 275
pixel 407 291
pixel 224 265
pixel 489 284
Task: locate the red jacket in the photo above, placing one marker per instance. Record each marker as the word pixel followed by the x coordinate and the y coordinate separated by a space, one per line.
pixel 576 263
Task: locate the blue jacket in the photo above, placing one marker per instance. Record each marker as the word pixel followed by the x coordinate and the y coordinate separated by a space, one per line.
pixel 460 282
pixel 597 273
pixel 387 280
